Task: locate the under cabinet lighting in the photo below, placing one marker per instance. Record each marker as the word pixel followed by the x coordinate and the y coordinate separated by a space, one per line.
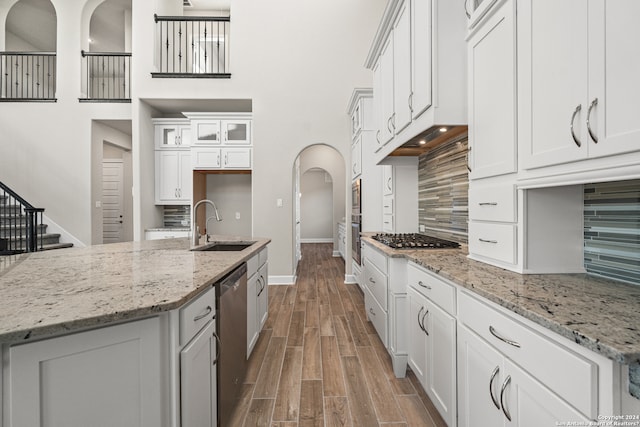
pixel 443 130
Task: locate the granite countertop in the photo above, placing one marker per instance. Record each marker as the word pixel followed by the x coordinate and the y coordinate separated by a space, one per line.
pixel 53 292
pixel 599 314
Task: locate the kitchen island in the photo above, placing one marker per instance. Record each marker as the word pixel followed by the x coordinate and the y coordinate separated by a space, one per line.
pixel 112 316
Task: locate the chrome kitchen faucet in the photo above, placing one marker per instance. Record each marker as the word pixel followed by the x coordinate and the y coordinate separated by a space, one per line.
pixel 194 228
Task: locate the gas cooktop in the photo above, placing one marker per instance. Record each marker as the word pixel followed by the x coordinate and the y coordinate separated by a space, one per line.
pixel 414 241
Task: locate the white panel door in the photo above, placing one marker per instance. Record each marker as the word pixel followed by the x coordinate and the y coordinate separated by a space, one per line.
pixel 614 82
pixel 402 69
pixel 421 45
pixel 553 70
pixel 112 201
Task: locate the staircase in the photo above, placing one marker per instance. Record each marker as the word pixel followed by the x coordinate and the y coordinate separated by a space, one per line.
pixel 17 219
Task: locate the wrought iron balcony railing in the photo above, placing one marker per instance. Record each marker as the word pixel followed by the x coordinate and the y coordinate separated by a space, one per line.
pixel 192 46
pixel 106 77
pixel 27 76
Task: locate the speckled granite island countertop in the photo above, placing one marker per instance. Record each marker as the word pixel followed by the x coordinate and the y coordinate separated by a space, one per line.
pixel 599 314
pixel 53 292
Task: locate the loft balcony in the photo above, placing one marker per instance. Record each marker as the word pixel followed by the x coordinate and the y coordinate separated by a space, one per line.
pixel 192 47
pixel 106 77
pixel 27 76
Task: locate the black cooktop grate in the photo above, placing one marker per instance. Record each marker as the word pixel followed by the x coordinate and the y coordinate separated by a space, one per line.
pixel 414 241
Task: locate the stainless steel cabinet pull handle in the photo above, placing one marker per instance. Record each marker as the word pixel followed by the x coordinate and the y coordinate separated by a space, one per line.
pixel 393 122
pixel 218 347
pixel 261 287
pixel 389 125
pixel 573 119
pixel 371 280
pixel 493 377
pixel 411 102
pixel 488 204
pixel 488 241
pixel 378 136
pixel 371 311
pixel 504 408
pixel 354 168
pixel 420 324
pixel 468 154
pixel 423 285
pixel 593 104
pixel 204 314
pixel 389 184
pixel 466 11
pixel 424 328
pixel 495 334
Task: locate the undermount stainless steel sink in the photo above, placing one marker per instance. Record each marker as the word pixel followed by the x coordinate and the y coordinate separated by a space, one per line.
pixel 224 246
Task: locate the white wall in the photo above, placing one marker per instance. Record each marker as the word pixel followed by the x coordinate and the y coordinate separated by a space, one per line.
pixel 297 61
pixel 231 194
pixel 316 206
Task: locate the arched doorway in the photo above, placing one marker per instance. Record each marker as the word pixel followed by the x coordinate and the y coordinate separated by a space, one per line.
pixel 316 163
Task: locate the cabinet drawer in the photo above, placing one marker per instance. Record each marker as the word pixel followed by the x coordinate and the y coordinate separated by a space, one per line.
pixel 497 241
pixel 387 205
pixel 493 203
pixel 438 291
pixel 567 374
pixel 256 261
pixel 196 314
pixel 377 258
pixel 376 282
pixel 387 223
pixel 377 316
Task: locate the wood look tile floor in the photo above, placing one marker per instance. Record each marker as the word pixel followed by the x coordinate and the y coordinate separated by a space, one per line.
pixel 318 361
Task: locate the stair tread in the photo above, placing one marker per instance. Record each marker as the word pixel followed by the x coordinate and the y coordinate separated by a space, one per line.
pixel 56 246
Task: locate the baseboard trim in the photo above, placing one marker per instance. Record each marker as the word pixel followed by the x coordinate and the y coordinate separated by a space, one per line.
pixel 317 240
pixel 350 279
pixel 336 254
pixel 282 280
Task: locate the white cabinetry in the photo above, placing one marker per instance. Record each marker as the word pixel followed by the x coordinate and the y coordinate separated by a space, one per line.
pixel 172 133
pixel 432 339
pixel 386 303
pixel 198 395
pixel 400 196
pixel 356 158
pixel 492 94
pixel 577 100
pixel 342 240
pixel 174 181
pixel 104 377
pixel 165 234
pixel 417 56
pixel 221 141
pixel 508 372
pixel 257 297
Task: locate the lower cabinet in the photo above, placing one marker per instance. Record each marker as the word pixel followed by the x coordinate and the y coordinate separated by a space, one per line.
pixel 494 391
pixel 257 297
pixel 432 352
pixel 105 377
pixel 198 395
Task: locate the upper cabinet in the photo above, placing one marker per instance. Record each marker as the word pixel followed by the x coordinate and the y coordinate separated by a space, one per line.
pixel 492 94
pixel 577 100
pixel 172 133
pixel 419 68
pixel 213 131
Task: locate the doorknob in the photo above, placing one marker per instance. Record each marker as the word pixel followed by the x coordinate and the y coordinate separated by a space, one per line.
pixel 120 222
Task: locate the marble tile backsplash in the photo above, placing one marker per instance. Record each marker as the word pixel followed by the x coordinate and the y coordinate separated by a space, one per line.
pixel 612 230
pixel 443 186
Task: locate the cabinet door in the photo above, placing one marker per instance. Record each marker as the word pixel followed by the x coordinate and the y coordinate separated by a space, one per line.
pixel 378 110
pixel 402 69
pixel 613 76
pixel 167 175
pixel 236 132
pixel 207 132
pixel 205 158
pixel 263 296
pixel 417 336
pixel 386 70
pixel 421 42
pixel 552 81
pixel 236 158
pixel 172 135
pixel 492 95
pixel 356 158
pixel 105 377
pixel 253 287
pixel 198 380
pixel 185 187
pixel 480 375
pixel 530 404
pixel 441 361
pixel 387 180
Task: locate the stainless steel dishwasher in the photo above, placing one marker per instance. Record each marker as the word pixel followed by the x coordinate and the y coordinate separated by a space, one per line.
pixel 232 329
